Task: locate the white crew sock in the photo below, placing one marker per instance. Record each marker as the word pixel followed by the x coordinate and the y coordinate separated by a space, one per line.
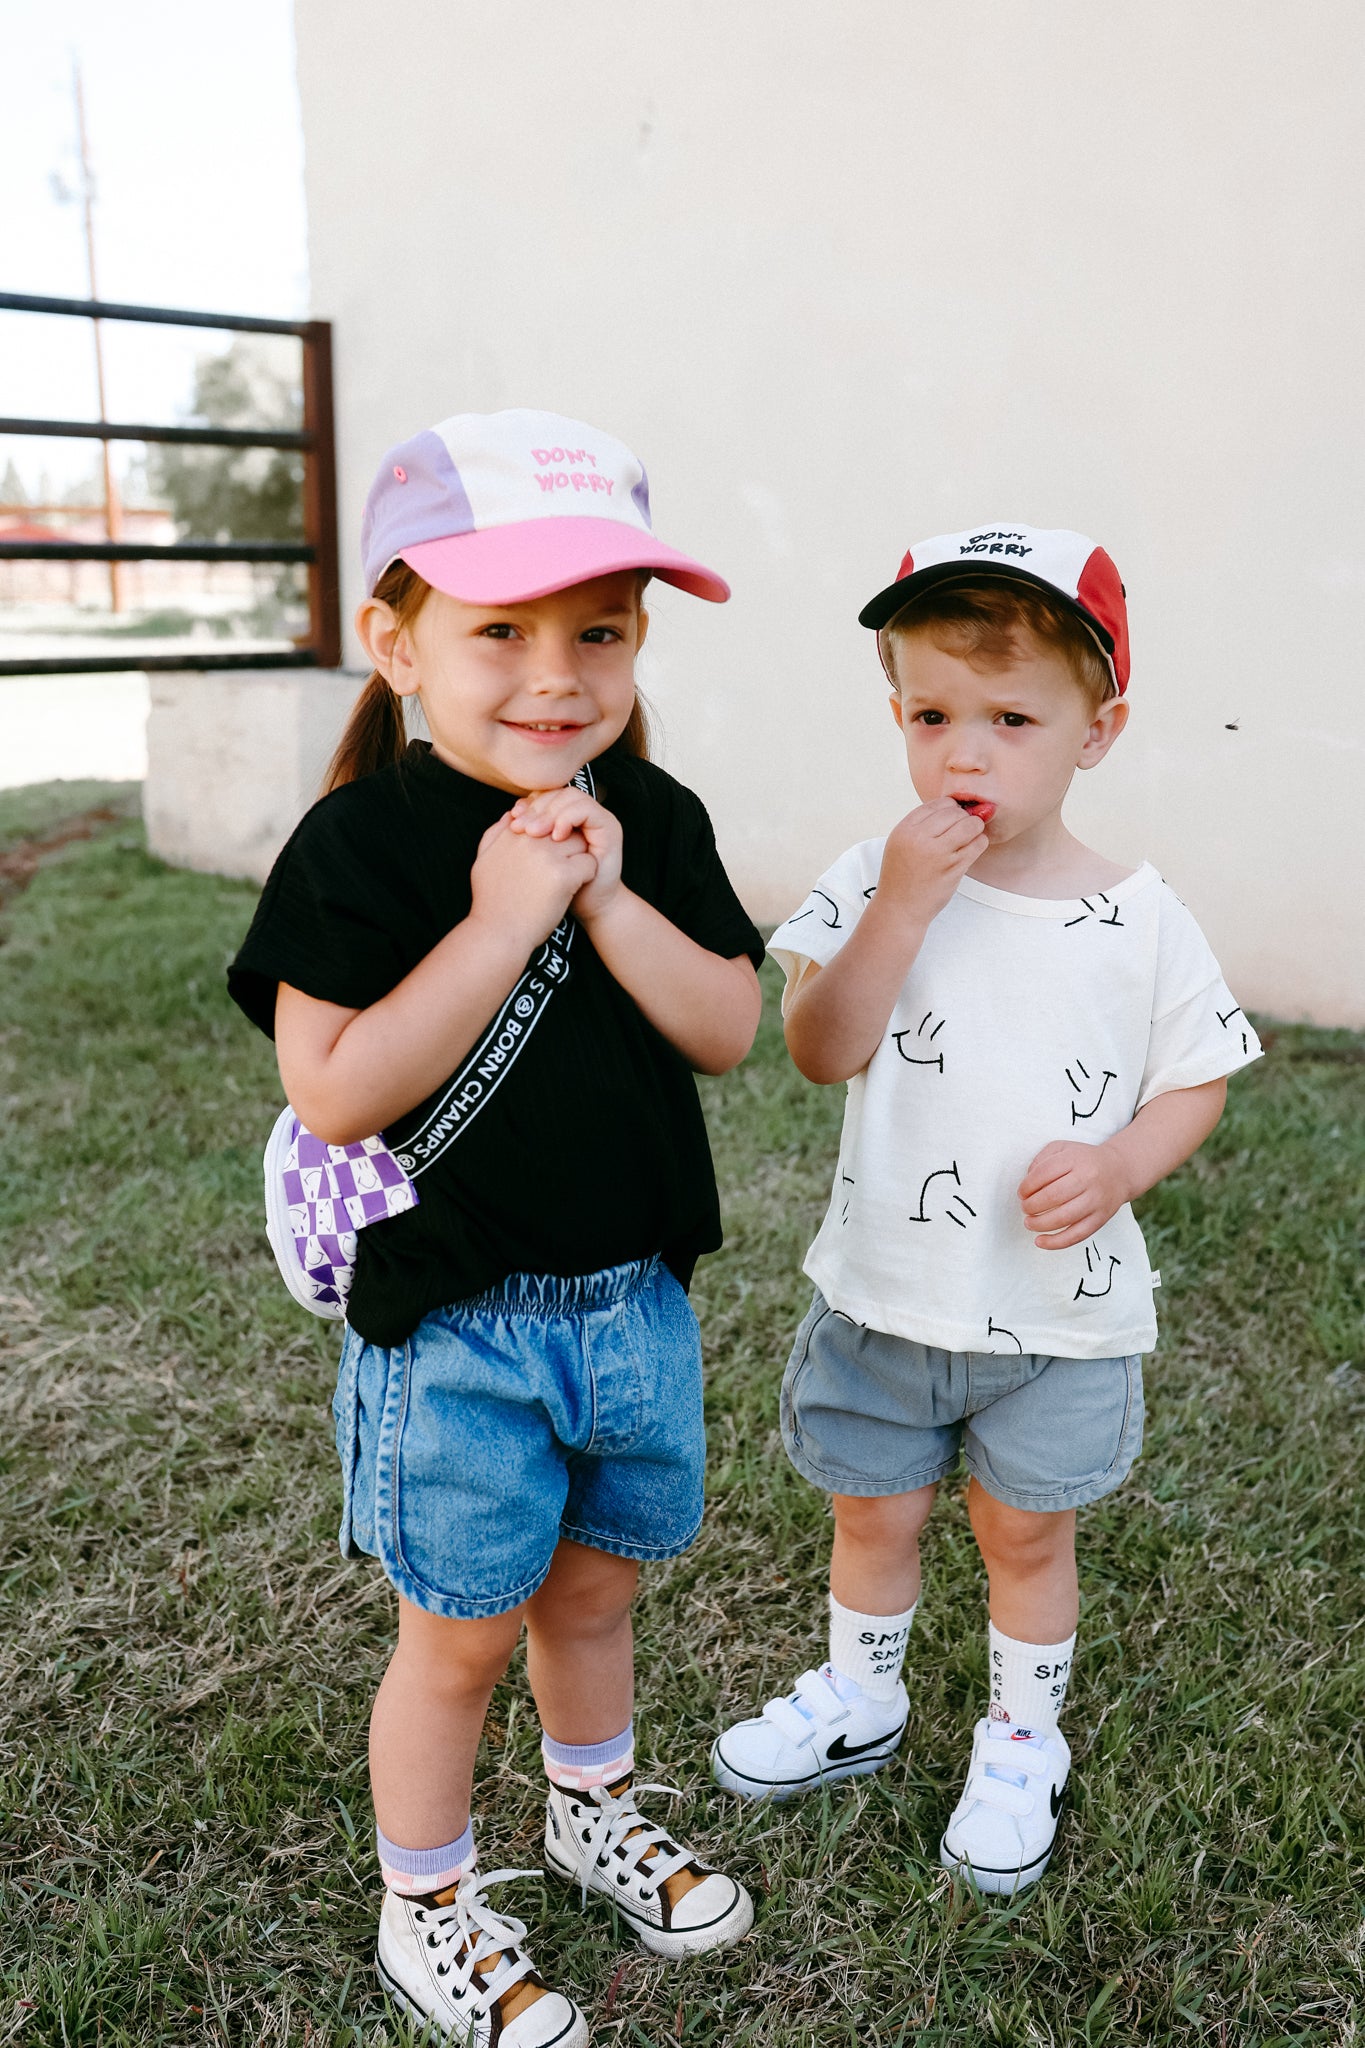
pixel 869 1649
pixel 1029 1681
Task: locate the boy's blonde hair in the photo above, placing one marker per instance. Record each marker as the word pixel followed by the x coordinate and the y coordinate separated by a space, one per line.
pixel 989 622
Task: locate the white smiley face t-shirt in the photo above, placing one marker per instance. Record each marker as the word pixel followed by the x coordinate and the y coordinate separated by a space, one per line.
pixel 1022 1020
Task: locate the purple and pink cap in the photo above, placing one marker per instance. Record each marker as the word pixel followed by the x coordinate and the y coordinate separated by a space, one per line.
pixel 498 508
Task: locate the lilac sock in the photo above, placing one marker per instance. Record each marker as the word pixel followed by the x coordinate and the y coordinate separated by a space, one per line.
pixel 579 1766
pixel 414 1872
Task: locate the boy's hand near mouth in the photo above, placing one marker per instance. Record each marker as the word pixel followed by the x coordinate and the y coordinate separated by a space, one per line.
pixel 837 1016
pixel 927 855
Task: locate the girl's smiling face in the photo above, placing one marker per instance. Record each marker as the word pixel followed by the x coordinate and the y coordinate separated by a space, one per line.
pixel 1008 737
pixel 517 695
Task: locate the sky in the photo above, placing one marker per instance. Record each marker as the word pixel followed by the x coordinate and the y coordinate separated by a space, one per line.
pixel 194 129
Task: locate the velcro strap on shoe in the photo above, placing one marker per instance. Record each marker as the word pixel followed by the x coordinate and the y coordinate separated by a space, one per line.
pixel 821 1702
pixel 999 1793
pixel 794 1726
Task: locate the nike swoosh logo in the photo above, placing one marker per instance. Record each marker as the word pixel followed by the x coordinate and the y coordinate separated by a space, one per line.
pixel 1055 1801
pixel 842 1748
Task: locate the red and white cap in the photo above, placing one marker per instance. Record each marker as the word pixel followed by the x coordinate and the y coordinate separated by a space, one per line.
pixel 1065 565
pixel 500 507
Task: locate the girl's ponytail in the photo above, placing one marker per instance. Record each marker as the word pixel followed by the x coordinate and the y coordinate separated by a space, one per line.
pixel 635 739
pixel 376 734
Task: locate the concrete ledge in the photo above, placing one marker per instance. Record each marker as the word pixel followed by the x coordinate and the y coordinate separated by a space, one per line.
pixel 234 759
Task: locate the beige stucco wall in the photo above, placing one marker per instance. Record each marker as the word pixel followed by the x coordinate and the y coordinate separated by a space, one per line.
pixel 234 759
pixel 845 274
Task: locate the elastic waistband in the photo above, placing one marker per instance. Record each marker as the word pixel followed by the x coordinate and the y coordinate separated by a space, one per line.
pixel 559 1294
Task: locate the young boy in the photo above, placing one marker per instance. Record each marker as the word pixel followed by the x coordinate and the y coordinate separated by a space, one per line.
pixel 1032 1035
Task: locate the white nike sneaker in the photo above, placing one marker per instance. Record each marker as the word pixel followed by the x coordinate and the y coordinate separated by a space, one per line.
pixel 461 1965
pixel 1004 1825
pixel 827 1729
pixel 676 1904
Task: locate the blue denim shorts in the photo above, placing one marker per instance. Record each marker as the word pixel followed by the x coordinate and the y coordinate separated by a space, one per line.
pixel 865 1413
pixel 546 1408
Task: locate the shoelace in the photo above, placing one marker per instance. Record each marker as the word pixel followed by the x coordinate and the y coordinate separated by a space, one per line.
pixel 470 1924
pixel 618 1817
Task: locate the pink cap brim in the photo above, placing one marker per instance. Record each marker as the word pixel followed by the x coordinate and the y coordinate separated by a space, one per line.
pixel 532 557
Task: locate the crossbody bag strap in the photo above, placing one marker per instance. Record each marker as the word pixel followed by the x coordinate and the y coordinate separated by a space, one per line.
pixel 472 1087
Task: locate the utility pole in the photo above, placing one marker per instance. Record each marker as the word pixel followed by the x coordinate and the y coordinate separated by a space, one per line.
pixel 113 508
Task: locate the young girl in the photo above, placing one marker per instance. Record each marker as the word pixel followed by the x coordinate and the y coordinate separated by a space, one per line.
pixel 507 950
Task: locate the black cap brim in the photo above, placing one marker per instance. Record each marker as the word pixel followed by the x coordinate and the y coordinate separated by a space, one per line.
pixel 883 607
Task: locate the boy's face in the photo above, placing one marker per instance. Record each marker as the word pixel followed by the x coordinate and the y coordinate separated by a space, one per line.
pixel 1011 737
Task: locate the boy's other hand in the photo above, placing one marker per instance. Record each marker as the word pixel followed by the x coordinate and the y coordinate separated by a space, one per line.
pixel 926 856
pixel 1071 1191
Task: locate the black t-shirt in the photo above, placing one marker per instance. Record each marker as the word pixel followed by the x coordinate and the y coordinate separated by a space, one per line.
pixel 571 1138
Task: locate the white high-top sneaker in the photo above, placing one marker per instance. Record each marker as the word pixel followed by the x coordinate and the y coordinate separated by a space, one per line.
pixel 1004 1825
pixel 676 1904
pixel 826 1729
pixel 462 1965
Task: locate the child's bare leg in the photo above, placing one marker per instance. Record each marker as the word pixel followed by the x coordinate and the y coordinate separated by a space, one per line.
pixel 847 1717
pixel 581 1662
pixel 875 1566
pixel 1002 1829
pixel 428 1716
pixel 874 1586
pixel 427 1719
pixel 579 1646
pixel 1030 1561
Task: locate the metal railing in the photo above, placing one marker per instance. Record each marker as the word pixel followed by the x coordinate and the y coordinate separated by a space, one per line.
pixel 316 443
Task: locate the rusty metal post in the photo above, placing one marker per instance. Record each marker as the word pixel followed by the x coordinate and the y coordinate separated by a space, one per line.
pixel 320 496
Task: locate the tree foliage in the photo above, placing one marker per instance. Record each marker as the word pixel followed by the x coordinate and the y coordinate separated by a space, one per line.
pixel 236 494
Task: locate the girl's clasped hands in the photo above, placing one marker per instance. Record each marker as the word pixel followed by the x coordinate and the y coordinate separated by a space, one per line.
pixel 574 825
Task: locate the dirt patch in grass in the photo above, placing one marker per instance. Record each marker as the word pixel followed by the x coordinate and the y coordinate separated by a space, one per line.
pixel 20 862
pixel 38 807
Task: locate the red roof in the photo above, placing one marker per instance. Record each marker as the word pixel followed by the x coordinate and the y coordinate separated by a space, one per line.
pixel 29 529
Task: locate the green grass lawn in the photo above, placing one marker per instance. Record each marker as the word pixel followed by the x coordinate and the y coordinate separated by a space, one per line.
pixel 186 1665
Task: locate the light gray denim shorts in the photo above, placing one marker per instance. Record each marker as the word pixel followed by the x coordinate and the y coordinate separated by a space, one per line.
pixel 865 1413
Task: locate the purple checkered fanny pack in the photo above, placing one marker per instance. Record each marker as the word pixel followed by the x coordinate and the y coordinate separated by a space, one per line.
pixel 318 1197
